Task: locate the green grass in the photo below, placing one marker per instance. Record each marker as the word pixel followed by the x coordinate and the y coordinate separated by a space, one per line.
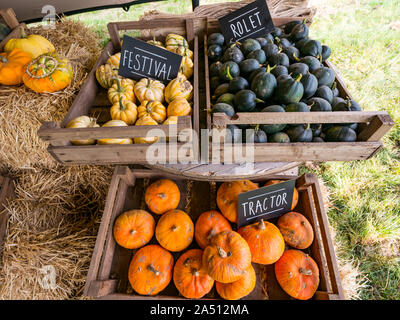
pixel 365 194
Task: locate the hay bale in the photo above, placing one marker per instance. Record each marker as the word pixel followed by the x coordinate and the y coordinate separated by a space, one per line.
pixel 22 111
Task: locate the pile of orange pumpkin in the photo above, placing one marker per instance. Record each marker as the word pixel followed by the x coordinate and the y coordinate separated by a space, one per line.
pixel 142 103
pixel 32 60
pixel 225 257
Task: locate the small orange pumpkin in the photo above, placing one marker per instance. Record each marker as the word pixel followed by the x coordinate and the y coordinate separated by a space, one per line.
pixel 297 274
pixel 238 289
pixel 265 241
pixel 162 196
pixel 150 270
pixel 134 229
pixel 174 230
pixel 208 225
pixel 12 66
pixel 227 197
pixel 191 280
pixel 227 257
pixel 296 230
pixel 295 192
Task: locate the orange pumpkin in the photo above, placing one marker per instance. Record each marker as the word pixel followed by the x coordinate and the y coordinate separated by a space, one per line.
pixel 174 230
pixel 227 197
pixel 208 225
pixel 150 270
pixel 48 73
pixel 133 229
pixel 12 66
pixel 295 192
pixel 162 196
pixel 191 280
pixel 227 257
pixel 296 230
pixel 238 289
pixel 297 274
pixel 265 241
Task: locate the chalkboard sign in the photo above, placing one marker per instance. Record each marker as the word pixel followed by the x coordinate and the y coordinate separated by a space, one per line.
pixel 251 21
pixel 265 203
pixel 140 59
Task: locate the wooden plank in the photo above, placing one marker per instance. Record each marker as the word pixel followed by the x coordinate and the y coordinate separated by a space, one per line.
pixel 377 128
pixel 221 119
pixel 102 287
pixel 6 193
pixel 14 34
pixel 9 17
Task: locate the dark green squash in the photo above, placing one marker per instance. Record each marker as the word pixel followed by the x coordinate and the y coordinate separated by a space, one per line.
pixel 258 54
pixel 262 41
pixel 299 32
pixel 237 84
pixel 248 66
pixel 340 134
pixel 215 68
pixel 226 98
pixel 317 139
pixel 269 37
pixel 279 59
pixel 215 38
pixel 273 128
pixel 255 136
pixel 297 107
pixel 325 53
pixel 249 45
pixel 335 90
pixel 288 27
pixel 347 105
pixel 245 100
pixel 279 137
pixel 300 133
pixel 282 77
pixel 289 90
pixel 325 76
pixel 279 70
pixel 336 100
pixel 223 107
pixel 233 53
pixel 255 72
pixel 283 43
pixel 316 129
pixel 233 134
pixel 312 62
pixel 324 92
pixel 214 52
pixel 298 68
pixel 277 32
pixel 319 104
pixel 292 53
pixel 214 82
pixel 311 48
pixel 310 85
pixel 270 49
pixel 229 70
pixel 220 90
pixel 264 84
pixel 299 44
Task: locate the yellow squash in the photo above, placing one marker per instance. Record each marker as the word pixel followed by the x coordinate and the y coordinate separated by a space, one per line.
pixel 124 110
pixel 156 43
pixel 153 109
pixel 121 89
pixel 187 67
pixel 147 89
pixel 145 121
pixel 83 122
pixel 12 66
pixel 114 60
pixel 178 88
pixel 178 44
pixel 115 123
pixel 106 74
pixel 179 107
pixel 48 73
pixel 34 44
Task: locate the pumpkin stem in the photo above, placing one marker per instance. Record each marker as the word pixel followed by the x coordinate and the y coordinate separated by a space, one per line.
pixel 3 59
pixel 307 127
pixel 211 234
pixel 23 34
pixel 305 271
pixel 132 232
pixel 261 225
pixel 269 68
pixel 151 268
pixel 118 84
pixel 228 74
pixel 299 77
pixel 258 100
pixel 121 105
pixel 195 272
pixel 295 57
pixel 174 228
pixel 222 253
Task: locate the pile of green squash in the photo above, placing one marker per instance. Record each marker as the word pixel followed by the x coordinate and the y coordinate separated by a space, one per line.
pixel 281 72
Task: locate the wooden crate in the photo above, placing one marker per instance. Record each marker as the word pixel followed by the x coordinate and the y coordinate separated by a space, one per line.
pixel 6 192
pixel 374 125
pixel 108 273
pixel 11 20
pixel 92 101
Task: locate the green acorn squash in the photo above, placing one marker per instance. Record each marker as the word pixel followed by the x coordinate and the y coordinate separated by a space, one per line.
pixel 347 105
pixel 297 107
pixel 214 82
pixel 288 27
pixel 277 32
pixel 248 66
pixel 292 53
pixel 264 84
pixel 249 45
pixel 340 134
pixel 258 54
pixel 325 76
pixel 319 104
pixel 237 84
pixel 336 100
pixel 246 100
pixel 289 90
pixel 300 133
pixel 233 134
pixel 226 98
pixel 325 53
pixel 233 53
pixel 299 32
pixel 262 41
pixel 310 85
pixel 312 62
pixel 223 107
pixel 214 52
pixel 311 48
pixel 298 68
pixel 324 92
pixel 317 139
pixel 255 136
pixel 279 70
pixel 279 59
pixel 273 128
pixel 229 70
pixel 220 90
pixel 270 49
pixel 215 68
pixel 279 137
pixel 216 38
pixel 255 72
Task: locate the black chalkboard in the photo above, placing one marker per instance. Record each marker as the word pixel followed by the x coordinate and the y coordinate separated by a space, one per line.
pixel 140 59
pixel 265 203
pixel 251 21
